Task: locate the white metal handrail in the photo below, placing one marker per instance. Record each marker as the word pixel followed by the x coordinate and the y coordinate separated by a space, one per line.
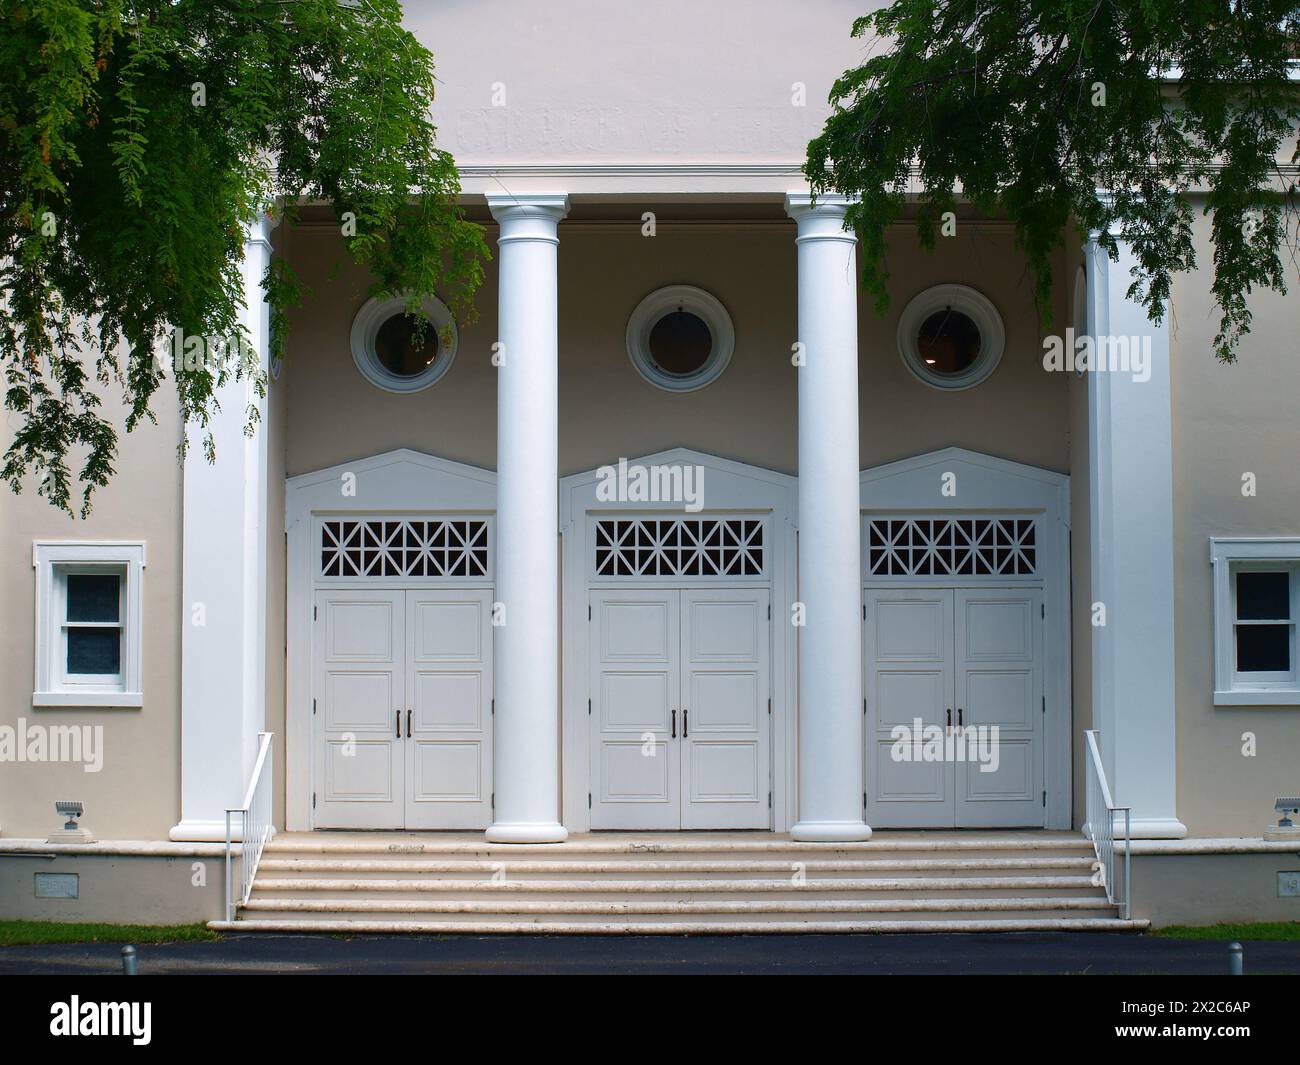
pixel 254 830
pixel 1103 814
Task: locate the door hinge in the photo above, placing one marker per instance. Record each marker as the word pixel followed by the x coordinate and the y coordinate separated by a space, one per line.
pixel 769 708
pixel 589 708
pixel 493 800
pixel 864 611
pixel 313 613
pixel 588 611
pixel 493 710
pixel 769 800
pixel 1044 796
pixel 1042 610
pixel 864 800
pixel 864 705
pixel 313 706
pixel 769 611
pixel 588 800
pixel 1044 704
pixel 313 800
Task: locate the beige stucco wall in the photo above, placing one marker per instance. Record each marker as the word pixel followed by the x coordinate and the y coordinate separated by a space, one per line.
pixel 676 80
pixel 1081 596
pixel 1229 420
pixel 137 793
pixel 607 410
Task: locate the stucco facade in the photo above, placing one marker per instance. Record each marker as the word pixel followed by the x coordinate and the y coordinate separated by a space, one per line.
pixel 598 112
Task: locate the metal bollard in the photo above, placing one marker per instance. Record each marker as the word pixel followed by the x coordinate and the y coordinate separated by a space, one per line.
pixel 1234 959
pixel 128 961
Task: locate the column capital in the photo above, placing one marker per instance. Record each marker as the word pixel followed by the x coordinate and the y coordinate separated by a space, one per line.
pixel 257 230
pixel 528 215
pixel 822 217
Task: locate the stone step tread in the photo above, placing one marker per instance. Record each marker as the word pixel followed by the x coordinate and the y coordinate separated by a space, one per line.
pixel 555 866
pixel 264 884
pixel 639 906
pixel 698 927
pixel 477 847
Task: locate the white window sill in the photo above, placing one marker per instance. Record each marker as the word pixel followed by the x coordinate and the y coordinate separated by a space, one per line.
pixel 1258 697
pixel 88 699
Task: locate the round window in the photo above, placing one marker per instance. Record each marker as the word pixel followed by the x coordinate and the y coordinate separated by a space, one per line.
pixel 399 351
pixel 950 337
pixel 680 338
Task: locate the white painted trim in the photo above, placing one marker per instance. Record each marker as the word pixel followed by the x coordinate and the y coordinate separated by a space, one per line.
pixel 708 308
pixel 47 557
pixel 728 486
pixel 402 481
pixel 223 576
pixel 970 302
pixel 1130 460
pixel 1225 553
pixel 365 328
pixel 986 484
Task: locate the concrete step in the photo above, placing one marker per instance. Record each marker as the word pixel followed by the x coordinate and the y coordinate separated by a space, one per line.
pixel 375 846
pixel 678 927
pixel 866 887
pixel 630 868
pixel 271 908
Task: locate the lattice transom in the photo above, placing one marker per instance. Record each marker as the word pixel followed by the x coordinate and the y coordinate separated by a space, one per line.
pixel 679 547
pixel 452 547
pixel 956 547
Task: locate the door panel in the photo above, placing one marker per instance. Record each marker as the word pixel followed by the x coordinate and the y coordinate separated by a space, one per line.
pixel 999 683
pixel 725 730
pixel 909 679
pixel 359 658
pixel 448 739
pixel 635 652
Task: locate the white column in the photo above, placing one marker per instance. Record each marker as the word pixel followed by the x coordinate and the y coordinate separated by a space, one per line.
pixel 1131 503
pixel 831 753
pixel 527 767
pixel 223 585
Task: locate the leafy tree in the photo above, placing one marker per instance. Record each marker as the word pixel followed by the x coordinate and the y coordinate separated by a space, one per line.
pixel 136 139
pixel 1100 113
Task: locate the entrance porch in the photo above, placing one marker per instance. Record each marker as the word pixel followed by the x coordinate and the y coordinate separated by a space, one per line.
pixel 677 883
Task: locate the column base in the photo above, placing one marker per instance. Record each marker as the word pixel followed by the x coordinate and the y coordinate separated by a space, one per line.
pixel 1155 828
pixel 830 831
pixel 526 832
pixel 204 831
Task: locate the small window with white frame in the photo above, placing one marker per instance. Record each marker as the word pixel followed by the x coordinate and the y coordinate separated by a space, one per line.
pixel 88 623
pixel 1256 606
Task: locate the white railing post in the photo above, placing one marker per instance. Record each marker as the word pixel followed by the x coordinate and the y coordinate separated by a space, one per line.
pixel 1101 812
pixel 255 828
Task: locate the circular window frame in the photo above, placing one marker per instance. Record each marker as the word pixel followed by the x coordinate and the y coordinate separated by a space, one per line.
pixel 705 306
pixel 978 308
pixel 365 328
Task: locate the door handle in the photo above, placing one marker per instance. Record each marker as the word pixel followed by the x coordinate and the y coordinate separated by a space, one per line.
pixel 950 717
pixel 674 732
pixel 398 712
pixel 686 723
pixel 959 717
pixel 408 722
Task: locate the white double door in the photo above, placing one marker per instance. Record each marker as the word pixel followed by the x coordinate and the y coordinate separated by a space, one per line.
pixel 966 666
pixel 402 709
pixel 680 709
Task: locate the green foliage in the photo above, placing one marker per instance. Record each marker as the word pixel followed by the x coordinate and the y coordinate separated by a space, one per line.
pixel 1054 113
pixel 1277 931
pixel 18 933
pixel 136 141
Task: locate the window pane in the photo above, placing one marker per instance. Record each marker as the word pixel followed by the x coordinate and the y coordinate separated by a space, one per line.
pixel 93 596
pixel 681 343
pixel 1263 648
pixel 1263 595
pixel 96 651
